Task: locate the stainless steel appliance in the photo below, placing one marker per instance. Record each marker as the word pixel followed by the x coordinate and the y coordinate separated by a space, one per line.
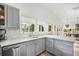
pixel 0 51
pixel 2 34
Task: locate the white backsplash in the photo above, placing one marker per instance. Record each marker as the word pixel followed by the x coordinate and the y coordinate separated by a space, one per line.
pixel 14 33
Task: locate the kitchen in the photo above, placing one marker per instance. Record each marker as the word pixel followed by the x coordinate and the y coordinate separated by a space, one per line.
pixel 30 29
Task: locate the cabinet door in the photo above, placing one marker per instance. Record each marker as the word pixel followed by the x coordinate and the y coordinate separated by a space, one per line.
pixel 58 47
pixel 63 48
pixel 16 17
pixel 69 49
pixel 49 45
pixel 40 45
pixel 12 17
pixel 23 50
pixel 31 50
pixel 15 50
pixel 19 50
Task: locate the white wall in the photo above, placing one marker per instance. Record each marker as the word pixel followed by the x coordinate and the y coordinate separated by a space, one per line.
pixel 35 10
pixel 71 17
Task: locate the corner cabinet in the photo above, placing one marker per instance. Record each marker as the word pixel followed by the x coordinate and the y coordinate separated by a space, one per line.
pixel 40 45
pixel 50 45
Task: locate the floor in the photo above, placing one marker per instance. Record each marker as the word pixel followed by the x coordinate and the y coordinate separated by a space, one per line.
pixel 45 53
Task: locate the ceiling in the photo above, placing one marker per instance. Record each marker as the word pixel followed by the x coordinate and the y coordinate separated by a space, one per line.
pixel 60 10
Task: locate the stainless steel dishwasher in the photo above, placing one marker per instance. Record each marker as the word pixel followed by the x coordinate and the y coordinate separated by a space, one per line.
pixel 12 50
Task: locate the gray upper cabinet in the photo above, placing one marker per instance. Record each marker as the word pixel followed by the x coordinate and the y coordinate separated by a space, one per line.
pixel 11 17
pixel 50 45
pixel 16 18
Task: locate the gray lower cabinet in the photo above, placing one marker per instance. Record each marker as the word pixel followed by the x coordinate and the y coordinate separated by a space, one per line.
pixel 40 45
pixel 50 45
pixel 12 17
pixel 35 47
pixel 19 51
pixel 63 48
pixel 31 50
pixel 22 50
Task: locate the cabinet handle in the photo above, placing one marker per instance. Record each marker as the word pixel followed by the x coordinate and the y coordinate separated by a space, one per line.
pixel 16 47
pixel 68 44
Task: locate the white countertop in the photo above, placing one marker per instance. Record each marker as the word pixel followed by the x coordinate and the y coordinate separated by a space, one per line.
pixel 20 39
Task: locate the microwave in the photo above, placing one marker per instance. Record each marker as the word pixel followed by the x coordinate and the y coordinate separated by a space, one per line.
pixel 2 14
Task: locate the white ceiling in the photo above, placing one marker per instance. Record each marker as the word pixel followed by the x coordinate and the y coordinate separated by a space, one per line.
pixel 60 9
pixel 46 10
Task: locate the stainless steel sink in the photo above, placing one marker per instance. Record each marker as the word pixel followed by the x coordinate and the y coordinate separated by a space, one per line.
pixel 33 36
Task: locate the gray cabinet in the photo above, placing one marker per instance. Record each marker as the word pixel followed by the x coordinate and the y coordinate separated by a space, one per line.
pixel 40 45
pixel 35 47
pixel 16 18
pixel 21 50
pixel 31 50
pixel 63 48
pixel 12 17
pixel 50 45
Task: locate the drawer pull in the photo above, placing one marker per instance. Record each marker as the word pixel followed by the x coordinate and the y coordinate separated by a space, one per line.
pixel 68 44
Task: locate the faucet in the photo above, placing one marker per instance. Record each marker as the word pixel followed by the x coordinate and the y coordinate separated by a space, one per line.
pixel 30 35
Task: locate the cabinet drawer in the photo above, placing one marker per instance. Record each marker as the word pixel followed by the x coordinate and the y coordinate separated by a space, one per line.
pixel 68 43
pixel 63 44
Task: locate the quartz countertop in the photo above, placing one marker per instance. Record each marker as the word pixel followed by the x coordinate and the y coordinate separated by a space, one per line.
pixel 19 39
